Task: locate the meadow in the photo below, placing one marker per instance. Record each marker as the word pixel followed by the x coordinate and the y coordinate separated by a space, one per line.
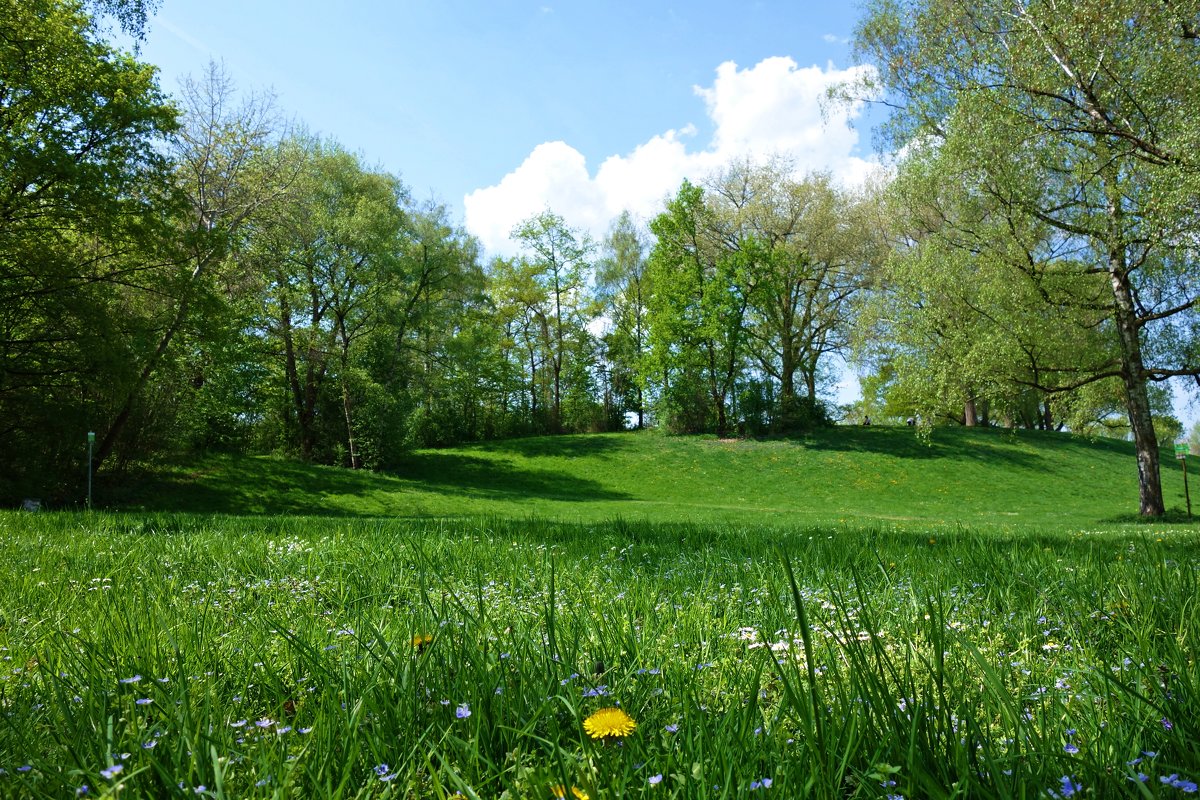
pixel 750 653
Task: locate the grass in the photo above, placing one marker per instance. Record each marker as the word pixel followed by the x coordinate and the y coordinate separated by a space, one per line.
pixel 971 477
pixel 275 657
pixel 763 647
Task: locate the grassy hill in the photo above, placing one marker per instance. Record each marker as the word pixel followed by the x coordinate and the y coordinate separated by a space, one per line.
pixel 848 474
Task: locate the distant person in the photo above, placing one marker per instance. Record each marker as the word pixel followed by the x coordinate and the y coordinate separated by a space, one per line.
pixel 866 420
pixel 911 422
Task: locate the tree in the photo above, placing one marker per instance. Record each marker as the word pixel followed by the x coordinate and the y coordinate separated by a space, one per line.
pixel 623 291
pixel 697 316
pixel 807 247
pixel 228 165
pixel 82 184
pixel 1083 118
pixel 558 262
pixel 331 255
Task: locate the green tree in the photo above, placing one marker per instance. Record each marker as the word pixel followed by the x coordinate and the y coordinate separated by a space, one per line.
pixel 558 261
pixel 623 291
pixel 227 166
pixel 697 316
pixel 1084 118
pixel 82 190
pixel 331 255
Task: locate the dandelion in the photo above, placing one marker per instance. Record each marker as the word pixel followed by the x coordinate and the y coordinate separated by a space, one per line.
pixel 609 723
pixel 463 711
pixel 421 641
pixel 559 792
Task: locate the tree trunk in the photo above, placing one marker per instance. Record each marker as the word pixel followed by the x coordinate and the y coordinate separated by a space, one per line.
pixel 1133 374
pixel 1137 400
pixel 969 417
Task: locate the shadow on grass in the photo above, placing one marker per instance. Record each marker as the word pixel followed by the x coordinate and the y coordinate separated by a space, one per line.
pixel 258 485
pixel 498 478
pixel 992 445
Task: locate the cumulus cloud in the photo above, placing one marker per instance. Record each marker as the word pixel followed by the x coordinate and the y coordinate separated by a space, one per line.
pixel 771 109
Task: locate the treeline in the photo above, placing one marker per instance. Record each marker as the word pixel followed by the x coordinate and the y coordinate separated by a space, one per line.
pixel 187 273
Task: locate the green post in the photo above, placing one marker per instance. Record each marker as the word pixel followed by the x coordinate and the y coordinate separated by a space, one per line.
pixel 1181 452
pixel 91 441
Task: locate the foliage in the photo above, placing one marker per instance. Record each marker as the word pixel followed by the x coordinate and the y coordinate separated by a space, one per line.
pixel 82 193
pixel 1075 128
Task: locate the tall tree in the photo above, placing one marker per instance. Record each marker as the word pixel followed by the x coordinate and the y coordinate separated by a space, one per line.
pixel 81 187
pixel 331 254
pixel 623 291
pixel 559 257
pixel 228 164
pixel 697 315
pixel 1082 117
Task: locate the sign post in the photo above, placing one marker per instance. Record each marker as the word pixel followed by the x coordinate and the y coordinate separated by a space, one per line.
pixel 91 441
pixel 1181 452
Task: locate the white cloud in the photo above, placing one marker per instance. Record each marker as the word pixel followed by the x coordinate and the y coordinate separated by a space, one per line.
pixel 772 108
pixel 833 38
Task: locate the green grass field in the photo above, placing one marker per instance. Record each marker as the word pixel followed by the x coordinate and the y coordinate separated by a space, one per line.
pixel 1010 636
pixel 845 474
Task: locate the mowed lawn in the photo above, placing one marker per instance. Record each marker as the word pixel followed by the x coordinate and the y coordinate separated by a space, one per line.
pixel 843 474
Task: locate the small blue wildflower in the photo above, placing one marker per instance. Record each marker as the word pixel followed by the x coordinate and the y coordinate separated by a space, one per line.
pixel 463 711
pixel 655 780
pixel 265 722
pixel 672 728
pixel 382 769
pixel 1167 724
pixel 144 701
pixel 1069 786
pixel 82 790
pixel 112 772
pixel 241 723
pixel 1070 748
pixel 599 691
pixel 25 768
pixel 1188 787
pixel 262 782
pixel 201 789
pixel 150 745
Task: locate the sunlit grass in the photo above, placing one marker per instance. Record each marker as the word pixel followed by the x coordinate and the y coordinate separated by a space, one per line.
pixel 152 656
pixel 847 474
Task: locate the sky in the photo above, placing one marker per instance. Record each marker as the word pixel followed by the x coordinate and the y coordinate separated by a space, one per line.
pixel 502 109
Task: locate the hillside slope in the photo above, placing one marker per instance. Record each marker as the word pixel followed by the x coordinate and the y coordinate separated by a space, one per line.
pixel 846 473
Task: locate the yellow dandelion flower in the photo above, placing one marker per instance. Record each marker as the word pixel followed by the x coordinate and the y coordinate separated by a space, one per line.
pixel 609 722
pixel 559 792
pixel 421 641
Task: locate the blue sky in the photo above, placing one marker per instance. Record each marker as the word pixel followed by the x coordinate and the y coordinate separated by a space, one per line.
pixel 455 96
